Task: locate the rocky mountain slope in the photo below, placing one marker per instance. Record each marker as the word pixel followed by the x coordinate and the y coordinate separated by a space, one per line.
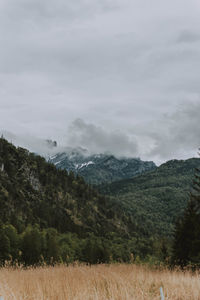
pixel 34 191
pixel 44 209
pixel 100 168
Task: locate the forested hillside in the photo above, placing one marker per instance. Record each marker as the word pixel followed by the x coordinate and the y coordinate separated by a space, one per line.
pixel 158 197
pixel 44 208
pixel 33 191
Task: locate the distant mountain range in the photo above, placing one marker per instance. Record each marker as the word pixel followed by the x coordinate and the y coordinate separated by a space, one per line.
pixel 100 168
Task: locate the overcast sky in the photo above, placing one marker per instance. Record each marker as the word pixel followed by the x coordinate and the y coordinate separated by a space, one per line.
pixel 111 75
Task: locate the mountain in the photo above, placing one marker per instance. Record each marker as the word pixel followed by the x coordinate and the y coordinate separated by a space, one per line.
pixel 100 168
pixel 51 144
pixel 49 215
pixel 158 197
pixel 34 191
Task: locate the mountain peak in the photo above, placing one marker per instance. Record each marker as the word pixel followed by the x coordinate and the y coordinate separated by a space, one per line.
pixel 100 168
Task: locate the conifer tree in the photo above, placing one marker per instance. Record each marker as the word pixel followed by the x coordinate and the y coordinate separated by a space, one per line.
pixel 186 247
pixel 4 247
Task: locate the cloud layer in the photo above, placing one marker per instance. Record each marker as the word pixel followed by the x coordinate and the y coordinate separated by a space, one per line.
pixel 173 136
pixel 101 140
pixel 119 65
pixel 176 135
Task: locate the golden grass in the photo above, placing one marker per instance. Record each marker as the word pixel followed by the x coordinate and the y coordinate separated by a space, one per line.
pixel 101 282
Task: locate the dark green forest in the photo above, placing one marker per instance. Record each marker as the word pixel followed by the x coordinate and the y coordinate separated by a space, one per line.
pixel 48 215
pixel 186 245
pixel 158 197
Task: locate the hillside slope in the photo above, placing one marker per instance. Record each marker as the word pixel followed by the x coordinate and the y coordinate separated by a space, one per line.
pixel 100 168
pixel 158 197
pixel 33 191
pixel 46 213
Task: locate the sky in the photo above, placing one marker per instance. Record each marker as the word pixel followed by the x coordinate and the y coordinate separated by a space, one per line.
pixel 119 76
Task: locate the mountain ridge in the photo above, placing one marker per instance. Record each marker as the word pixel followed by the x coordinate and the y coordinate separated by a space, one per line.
pixel 159 196
pixel 99 168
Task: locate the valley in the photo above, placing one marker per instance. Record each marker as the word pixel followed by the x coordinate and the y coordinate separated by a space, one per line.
pixel 104 223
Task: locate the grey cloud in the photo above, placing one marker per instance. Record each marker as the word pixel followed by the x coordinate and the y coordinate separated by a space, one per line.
pixel 119 64
pixel 187 36
pixel 100 140
pixel 173 136
pixel 32 143
pixel 176 135
pixel 58 11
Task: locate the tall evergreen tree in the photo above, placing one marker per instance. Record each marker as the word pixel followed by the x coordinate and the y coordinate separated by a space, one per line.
pixel 186 247
pixel 31 246
pixel 4 247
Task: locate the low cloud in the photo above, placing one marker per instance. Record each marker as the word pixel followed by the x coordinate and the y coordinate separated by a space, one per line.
pixel 175 135
pixel 34 144
pixel 187 36
pixel 100 140
pixel 116 63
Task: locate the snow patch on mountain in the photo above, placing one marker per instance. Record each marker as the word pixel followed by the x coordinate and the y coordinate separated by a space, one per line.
pixel 99 168
pixel 86 164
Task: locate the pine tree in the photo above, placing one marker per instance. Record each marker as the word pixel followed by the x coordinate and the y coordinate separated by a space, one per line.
pixel 52 246
pixel 31 246
pixel 186 247
pixel 4 247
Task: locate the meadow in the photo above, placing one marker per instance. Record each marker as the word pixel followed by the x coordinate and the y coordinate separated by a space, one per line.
pixel 98 282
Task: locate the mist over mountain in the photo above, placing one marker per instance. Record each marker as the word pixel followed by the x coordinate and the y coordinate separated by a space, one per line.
pixel 44 147
pixel 173 136
pixel 100 168
pixel 96 167
pixel 93 141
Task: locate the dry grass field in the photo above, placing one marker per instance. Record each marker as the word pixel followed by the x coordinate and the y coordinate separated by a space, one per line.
pixel 101 282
